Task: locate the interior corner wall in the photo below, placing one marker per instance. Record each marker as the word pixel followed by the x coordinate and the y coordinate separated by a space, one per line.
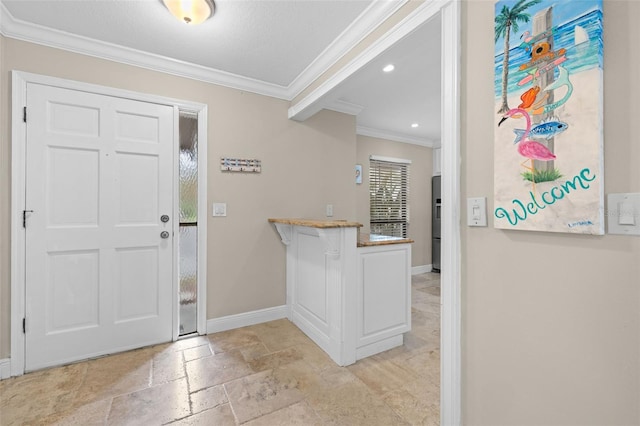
pixel 304 167
pixel 420 173
pixel 551 322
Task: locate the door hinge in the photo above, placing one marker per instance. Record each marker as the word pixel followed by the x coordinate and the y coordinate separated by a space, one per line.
pixel 24 325
pixel 24 217
pixel 24 114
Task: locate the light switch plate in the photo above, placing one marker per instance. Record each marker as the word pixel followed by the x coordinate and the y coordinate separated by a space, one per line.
pixel 626 214
pixel 329 210
pixel 477 211
pixel 219 209
pixel 623 214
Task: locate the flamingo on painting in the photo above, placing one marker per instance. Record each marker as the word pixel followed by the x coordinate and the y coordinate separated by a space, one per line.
pixel 529 149
pixel 526 38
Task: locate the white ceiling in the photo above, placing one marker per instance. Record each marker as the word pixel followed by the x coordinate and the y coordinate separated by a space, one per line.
pixel 409 94
pixel 274 47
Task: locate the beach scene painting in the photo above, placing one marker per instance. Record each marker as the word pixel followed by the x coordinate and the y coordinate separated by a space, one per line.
pixel 548 144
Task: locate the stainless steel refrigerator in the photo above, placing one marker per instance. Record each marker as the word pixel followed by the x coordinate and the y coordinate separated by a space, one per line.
pixel 436 220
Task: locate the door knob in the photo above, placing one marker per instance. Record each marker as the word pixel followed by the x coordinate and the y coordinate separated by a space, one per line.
pixel 164 234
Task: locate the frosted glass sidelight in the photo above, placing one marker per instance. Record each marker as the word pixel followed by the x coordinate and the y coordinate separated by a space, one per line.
pixel 188 167
pixel 188 278
pixel 188 222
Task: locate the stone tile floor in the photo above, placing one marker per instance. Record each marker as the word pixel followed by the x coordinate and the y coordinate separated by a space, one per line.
pixel 267 374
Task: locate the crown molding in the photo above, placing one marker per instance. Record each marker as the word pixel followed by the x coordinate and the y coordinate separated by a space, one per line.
pixel 362 26
pixel 311 104
pixel 26 31
pixel 393 136
pixel 366 22
pixel 344 107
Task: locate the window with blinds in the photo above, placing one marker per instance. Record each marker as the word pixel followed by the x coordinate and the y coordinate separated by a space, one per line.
pixel 389 196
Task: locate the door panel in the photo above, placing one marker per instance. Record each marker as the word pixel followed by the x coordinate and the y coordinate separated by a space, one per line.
pixel 72 186
pixel 99 277
pixel 72 293
pixel 137 127
pixel 137 290
pixel 138 188
pixel 80 120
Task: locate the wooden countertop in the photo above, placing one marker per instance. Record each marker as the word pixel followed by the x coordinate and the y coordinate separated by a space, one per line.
pixel 369 240
pixel 312 223
pixel 364 240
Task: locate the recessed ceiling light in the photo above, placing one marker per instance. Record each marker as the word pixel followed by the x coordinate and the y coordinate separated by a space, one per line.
pixel 389 68
pixel 414 125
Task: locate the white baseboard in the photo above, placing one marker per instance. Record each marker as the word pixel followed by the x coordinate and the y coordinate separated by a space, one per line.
pixel 380 346
pixel 415 270
pixel 5 368
pixel 230 322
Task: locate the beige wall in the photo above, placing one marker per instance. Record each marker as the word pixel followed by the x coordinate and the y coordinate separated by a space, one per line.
pixel 551 322
pixel 419 190
pixel 305 166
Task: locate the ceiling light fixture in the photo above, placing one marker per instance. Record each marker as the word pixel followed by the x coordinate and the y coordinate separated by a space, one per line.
pixel 414 125
pixel 191 12
pixel 389 68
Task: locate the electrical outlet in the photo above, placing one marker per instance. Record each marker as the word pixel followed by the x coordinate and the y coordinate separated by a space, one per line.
pixel 329 210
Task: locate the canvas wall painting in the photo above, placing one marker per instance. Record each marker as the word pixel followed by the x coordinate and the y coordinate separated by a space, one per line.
pixel 548 146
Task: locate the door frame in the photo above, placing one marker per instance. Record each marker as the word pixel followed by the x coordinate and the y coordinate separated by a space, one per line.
pixel 449 13
pixel 19 82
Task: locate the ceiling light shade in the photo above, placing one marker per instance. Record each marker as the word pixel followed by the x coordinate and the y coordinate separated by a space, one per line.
pixel 389 68
pixel 191 12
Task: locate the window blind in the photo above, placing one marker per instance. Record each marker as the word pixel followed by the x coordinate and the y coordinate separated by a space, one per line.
pixel 389 196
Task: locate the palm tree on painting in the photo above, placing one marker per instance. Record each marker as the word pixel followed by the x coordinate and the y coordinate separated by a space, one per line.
pixel 508 20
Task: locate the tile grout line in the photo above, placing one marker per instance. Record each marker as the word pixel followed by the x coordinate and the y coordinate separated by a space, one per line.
pixel 151 364
pixel 106 417
pixel 186 376
pixel 233 411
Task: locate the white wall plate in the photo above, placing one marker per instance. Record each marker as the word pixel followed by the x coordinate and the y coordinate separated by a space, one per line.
pixel 477 211
pixel 219 209
pixel 623 214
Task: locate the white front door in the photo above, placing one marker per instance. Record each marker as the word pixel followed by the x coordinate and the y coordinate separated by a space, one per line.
pixel 99 176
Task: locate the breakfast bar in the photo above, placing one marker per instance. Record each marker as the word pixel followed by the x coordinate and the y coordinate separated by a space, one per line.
pixel 349 292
